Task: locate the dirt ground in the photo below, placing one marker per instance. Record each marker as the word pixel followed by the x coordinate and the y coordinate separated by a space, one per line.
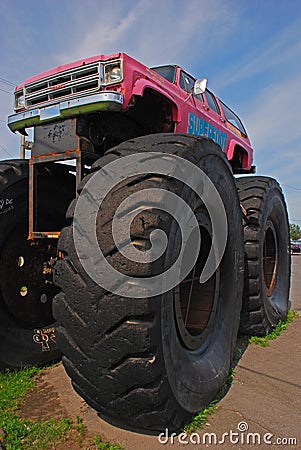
pixel 54 397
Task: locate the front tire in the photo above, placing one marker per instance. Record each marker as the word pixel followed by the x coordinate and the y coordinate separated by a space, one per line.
pixel 150 363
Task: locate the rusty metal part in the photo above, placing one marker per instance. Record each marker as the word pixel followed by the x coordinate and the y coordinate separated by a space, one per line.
pixel 53 142
pixel 244 212
pixel 55 139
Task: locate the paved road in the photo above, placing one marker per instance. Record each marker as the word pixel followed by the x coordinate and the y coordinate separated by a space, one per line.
pixel 296 282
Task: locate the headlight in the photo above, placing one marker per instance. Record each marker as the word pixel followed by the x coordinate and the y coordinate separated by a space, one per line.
pixel 113 72
pixel 19 100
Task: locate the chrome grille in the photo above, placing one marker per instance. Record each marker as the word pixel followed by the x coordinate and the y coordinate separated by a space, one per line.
pixel 72 83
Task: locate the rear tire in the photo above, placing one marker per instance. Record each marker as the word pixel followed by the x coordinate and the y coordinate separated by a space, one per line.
pixel 267 255
pixel 135 360
pixel 27 328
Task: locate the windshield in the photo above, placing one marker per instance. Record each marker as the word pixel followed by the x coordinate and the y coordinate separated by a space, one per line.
pixel 167 72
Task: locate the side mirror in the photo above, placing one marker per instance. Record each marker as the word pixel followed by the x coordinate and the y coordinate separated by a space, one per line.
pixel 200 86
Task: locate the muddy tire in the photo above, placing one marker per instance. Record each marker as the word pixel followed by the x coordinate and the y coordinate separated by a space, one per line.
pixel 136 360
pixel 27 329
pixel 267 255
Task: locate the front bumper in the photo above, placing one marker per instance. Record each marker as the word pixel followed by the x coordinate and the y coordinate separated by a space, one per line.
pixel 104 101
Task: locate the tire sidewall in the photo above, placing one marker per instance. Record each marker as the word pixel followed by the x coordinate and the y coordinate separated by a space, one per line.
pixel 195 376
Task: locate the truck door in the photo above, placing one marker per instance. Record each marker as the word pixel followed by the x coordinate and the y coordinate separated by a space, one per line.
pixel 190 103
pixel 215 119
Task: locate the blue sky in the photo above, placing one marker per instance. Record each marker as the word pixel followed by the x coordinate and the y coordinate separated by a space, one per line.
pixel 250 51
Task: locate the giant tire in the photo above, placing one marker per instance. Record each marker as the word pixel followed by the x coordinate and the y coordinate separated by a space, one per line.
pixel 27 329
pixel 127 357
pixel 267 255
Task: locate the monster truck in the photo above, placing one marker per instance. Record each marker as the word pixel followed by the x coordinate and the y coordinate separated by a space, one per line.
pixel 144 359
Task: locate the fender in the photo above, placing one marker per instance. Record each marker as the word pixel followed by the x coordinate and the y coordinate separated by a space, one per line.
pixel 246 163
pixel 142 84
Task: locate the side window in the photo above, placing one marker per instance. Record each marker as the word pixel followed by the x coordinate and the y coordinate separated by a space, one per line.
pixel 211 102
pixel 167 72
pixel 186 82
pixel 233 119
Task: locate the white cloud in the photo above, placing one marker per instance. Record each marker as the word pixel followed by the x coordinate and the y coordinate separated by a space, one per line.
pixel 273 117
pixel 273 120
pixel 153 32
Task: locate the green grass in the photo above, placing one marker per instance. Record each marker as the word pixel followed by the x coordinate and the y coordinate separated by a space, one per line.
pixel 281 326
pixel 80 427
pixel 13 386
pixel 22 434
pixel 106 445
pixel 201 418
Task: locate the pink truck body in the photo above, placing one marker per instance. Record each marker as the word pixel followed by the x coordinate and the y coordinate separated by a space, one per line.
pixel 80 88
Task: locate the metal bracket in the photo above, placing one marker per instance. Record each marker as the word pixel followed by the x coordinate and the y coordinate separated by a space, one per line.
pixel 53 142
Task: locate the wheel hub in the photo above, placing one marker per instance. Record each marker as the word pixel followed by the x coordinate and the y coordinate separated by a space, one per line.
pixel 270 258
pixel 195 303
pixel 26 291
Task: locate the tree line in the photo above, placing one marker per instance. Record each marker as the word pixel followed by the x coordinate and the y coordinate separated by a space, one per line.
pixel 295 231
